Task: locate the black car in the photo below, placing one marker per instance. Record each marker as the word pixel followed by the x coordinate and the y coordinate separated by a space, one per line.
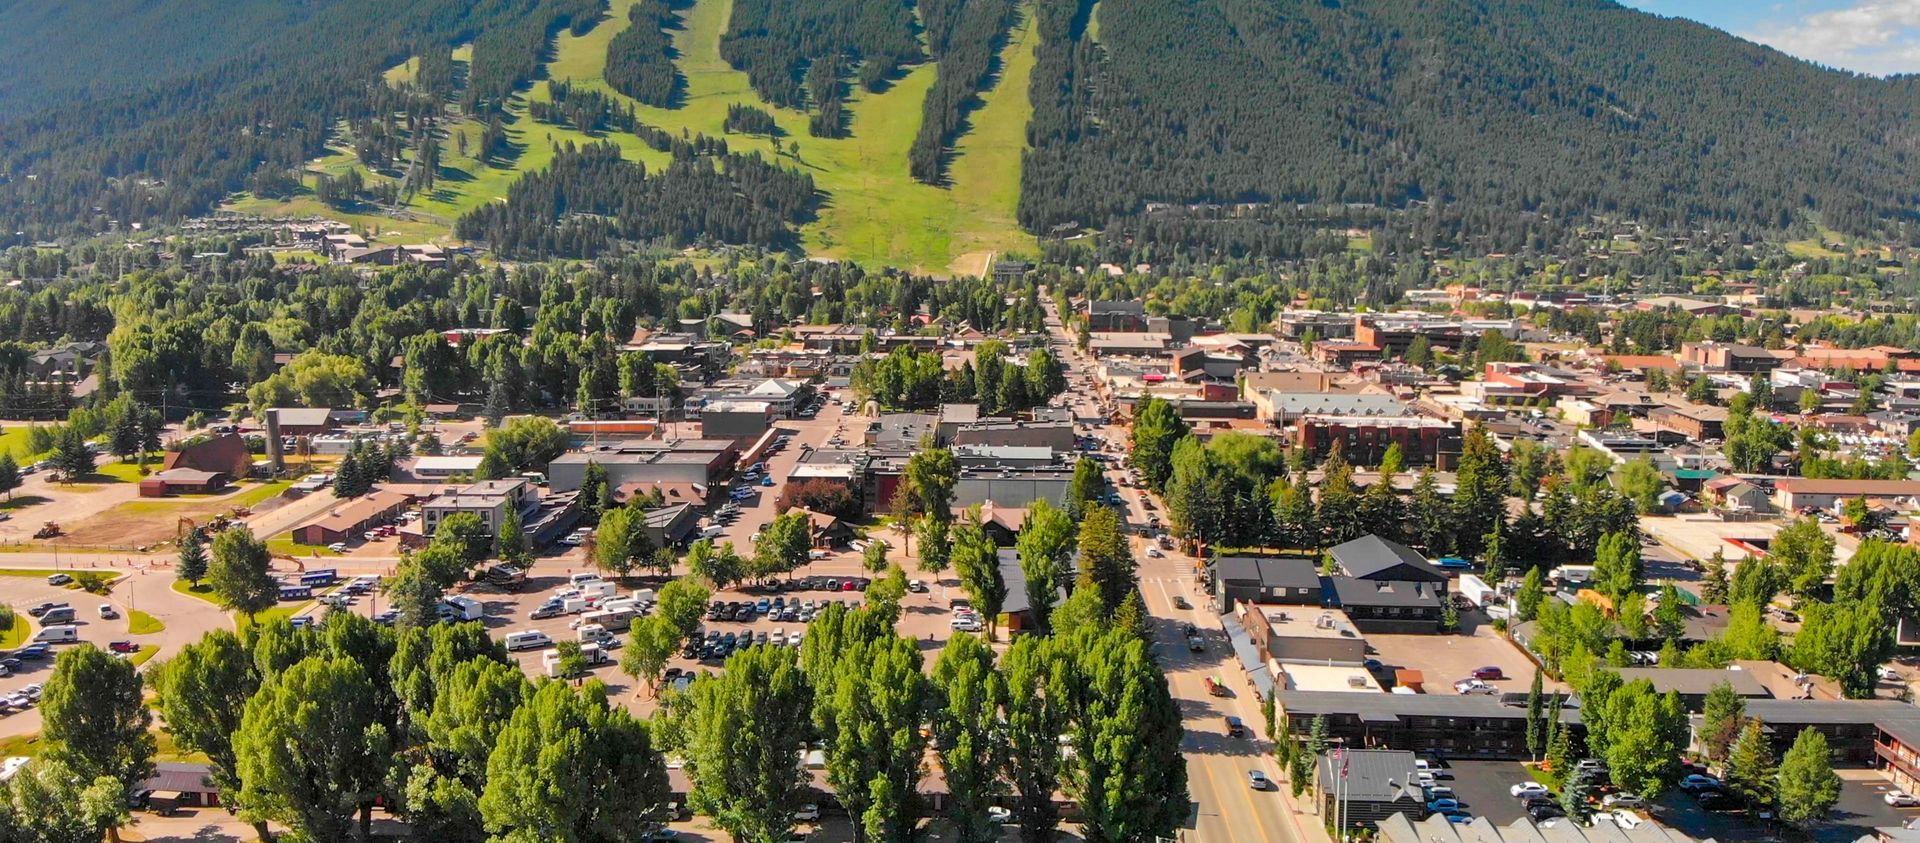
pixel 1717 801
pixel 1543 812
pixel 744 613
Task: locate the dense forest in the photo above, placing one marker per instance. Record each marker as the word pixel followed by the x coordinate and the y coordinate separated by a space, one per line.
pixel 585 109
pixel 179 145
pixel 640 58
pixel 506 56
pixel 797 54
pixel 1565 107
pixel 748 120
pixel 589 198
pixel 965 37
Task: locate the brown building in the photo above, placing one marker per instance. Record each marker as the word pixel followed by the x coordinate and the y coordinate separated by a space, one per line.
pixel 178 481
pixel 354 517
pixel 1344 354
pixel 1363 440
pixel 1696 422
pixel 1456 725
pixel 1731 357
pixel 225 454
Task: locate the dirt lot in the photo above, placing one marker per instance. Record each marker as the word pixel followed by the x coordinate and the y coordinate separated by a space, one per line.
pixel 1445 659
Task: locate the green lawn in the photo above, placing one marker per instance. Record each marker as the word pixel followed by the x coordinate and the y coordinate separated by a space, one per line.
pixel 203 591
pixel 13 440
pixel 17 634
pixel 120 472
pixel 164 746
pixel 146 651
pixel 141 623
pixel 874 211
pixel 285 545
pixel 283 610
pixel 250 495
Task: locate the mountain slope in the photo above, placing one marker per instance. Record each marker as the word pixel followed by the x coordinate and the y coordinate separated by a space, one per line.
pixel 58 51
pixel 1569 107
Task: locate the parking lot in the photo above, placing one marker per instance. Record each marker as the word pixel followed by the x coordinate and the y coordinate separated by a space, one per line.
pixel 1444 659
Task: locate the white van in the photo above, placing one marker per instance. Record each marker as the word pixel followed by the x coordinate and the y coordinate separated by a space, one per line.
pixel 594 633
pixel 60 615
pixel 583 577
pixel 528 639
pixel 57 635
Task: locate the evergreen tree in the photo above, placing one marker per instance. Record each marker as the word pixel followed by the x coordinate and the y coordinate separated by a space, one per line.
pixel 1156 427
pixel 192 564
pixel 1534 731
pixel 1720 719
pixel 1479 491
pixel 1106 561
pixel 1526 601
pixel 9 474
pixel 1713 590
pixel 1750 768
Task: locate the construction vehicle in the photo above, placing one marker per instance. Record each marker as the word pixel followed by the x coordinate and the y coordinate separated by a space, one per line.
pixel 47 530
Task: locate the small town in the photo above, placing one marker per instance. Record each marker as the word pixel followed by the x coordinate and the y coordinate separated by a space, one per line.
pixel 1409 575
pixel 959 421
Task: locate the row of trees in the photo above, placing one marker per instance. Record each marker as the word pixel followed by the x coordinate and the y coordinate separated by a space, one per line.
pixel 908 379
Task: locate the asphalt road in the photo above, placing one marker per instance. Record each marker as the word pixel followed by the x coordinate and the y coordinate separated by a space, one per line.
pixel 1225 808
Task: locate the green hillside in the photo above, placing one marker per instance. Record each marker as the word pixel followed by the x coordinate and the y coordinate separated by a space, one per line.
pixel 873 211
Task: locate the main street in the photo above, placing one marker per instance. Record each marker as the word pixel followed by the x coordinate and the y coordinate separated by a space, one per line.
pixel 1225 808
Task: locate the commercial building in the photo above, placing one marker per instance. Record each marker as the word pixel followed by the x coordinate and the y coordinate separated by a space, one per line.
pixel 1306 635
pixel 1732 358
pixel 1693 685
pixel 1291 581
pixel 1360 788
pixel 1385 586
pixel 353 517
pixel 1117 316
pixel 705 461
pixel 1364 440
pixel 740 420
pixel 178 481
pixel 1794 494
pixel 1694 421
pixel 1014 487
pixel 1439 829
pixel 1456 725
pixel 493 501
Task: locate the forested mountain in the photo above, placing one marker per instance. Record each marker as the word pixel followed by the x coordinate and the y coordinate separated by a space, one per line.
pixel 58 51
pixel 1568 107
pixel 1506 120
pixel 153 146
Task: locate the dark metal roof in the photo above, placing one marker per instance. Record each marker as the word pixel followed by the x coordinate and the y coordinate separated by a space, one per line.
pixel 1372 557
pixel 1371 775
pixel 1268 571
pixel 1388 707
pixel 1404 593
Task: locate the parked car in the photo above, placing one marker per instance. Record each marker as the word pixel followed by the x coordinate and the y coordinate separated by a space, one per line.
pixel 809 812
pixel 1441 805
pixel 1489 672
pixel 1901 799
pixel 999 815
pixel 1696 783
pixel 1628 800
pixel 124 647
pixel 1545 812
pixel 1524 789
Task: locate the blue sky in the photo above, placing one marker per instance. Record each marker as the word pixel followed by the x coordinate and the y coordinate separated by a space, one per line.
pixel 1872 36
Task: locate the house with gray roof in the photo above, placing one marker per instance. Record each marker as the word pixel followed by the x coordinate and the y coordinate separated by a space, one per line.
pixel 1366 786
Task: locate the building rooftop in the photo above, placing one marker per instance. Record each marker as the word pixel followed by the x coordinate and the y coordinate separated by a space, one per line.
pixel 1308 622
pixel 1695 682
pixel 1373 775
pixel 1270 572
pixel 1323 677
pixel 1389 707
pixel 1371 556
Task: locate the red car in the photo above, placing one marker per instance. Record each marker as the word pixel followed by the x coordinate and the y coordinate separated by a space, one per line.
pixel 124 647
pixel 1488 672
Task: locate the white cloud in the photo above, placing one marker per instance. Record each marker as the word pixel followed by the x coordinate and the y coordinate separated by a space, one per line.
pixel 1876 36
